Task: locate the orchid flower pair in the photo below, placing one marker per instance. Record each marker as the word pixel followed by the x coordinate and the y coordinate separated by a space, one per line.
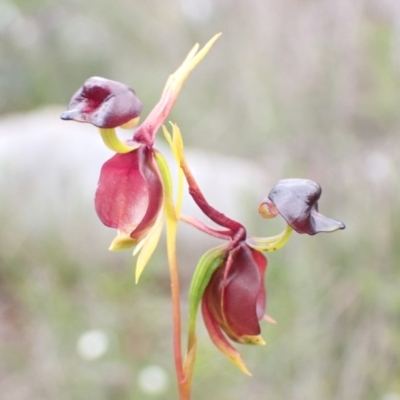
pixel 135 193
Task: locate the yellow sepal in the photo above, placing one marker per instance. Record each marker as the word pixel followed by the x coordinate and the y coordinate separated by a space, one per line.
pixel 175 81
pixel 147 247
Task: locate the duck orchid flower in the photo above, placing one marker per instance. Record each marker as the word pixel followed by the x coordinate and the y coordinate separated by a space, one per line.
pixel 229 280
pixel 131 192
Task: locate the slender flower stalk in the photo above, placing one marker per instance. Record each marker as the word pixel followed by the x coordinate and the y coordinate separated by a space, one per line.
pixel 172 225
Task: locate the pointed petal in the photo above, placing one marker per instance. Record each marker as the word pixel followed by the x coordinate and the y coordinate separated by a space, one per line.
pixel 175 151
pixel 220 341
pixel 149 245
pixel 146 132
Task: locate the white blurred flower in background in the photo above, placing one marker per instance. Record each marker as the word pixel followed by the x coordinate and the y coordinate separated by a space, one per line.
pixel 153 380
pixel 92 344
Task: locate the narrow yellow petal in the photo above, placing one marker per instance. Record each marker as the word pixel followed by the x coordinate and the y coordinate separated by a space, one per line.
pixel 176 80
pixel 178 142
pixel 179 196
pixel 169 140
pixel 172 141
pixel 167 180
pixel 148 247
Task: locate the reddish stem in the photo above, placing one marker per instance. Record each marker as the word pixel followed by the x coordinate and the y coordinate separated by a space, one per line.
pixel 236 229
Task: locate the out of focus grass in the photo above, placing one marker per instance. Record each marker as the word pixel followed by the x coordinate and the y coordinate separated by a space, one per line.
pixel 296 89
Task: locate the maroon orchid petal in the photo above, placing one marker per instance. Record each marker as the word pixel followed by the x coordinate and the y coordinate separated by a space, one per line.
pixel 130 194
pixel 235 295
pixel 103 103
pixel 297 202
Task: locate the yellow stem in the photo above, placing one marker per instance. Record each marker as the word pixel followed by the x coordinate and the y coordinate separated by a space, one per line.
pixel 172 226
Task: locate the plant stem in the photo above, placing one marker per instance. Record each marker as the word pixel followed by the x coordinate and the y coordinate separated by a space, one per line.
pixel 215 216
pixel 184 383
pixel 176 308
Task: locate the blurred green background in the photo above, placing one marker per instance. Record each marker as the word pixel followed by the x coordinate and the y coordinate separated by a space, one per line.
pixel 293 88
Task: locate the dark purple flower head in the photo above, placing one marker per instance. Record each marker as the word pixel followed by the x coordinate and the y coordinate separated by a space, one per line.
pixel 104 103
pixel 234 300
pixel 297 201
